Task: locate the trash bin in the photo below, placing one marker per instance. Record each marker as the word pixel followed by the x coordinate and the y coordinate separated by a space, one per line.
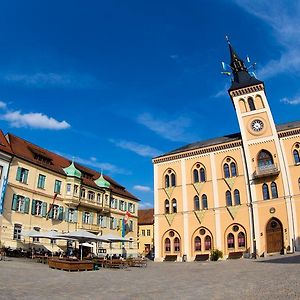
pixel 184 258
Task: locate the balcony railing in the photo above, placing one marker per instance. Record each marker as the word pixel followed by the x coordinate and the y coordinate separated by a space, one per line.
pixel 94 204
pixel 265 171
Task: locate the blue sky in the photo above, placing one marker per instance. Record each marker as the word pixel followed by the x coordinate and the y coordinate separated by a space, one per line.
pixel 114 83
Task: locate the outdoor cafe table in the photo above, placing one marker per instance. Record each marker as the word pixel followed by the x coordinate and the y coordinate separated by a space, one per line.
pixel 71 265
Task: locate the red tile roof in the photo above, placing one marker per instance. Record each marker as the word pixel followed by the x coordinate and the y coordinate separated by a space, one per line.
pixel 146 216
pixel 54 162
pixel 4 145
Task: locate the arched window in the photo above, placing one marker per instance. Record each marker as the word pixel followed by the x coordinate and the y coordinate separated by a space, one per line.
pixel 226 171
pixel 197 243
pixel 228 199
pixel 202 175
pixel 265 190
pixel 237 200
pixel 233 169
pixel 230 240
pixel 174 206
pixel 176 244
pixel 251 103
pixel 241 240
pixel 167 207
pixel 196 203
pixel 296 156
pixel 173 180
pixel 274 190
pixel 167 181
pixel 299 183
pixel 204 201
pixel 264 159
pixel 207 242
pixel 196 175
pixel 167 245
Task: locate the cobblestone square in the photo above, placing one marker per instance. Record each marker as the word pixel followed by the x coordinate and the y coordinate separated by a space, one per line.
pixel 275 277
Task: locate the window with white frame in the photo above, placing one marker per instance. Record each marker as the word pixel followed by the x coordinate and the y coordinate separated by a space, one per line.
pixel 148 232
pixel 86 217
pixel 68 188
pixel 91 195
pixel 17 232
pixel 57 186
pixel 20 203
pixel 75 190
pixel 82 193
pixel 41 181
pixel 99 198
pixel 38 211
pixel 22 175
pixel 36 239
pixel 55 211
pixel 71 215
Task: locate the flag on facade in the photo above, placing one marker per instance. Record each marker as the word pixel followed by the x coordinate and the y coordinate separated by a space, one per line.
pixel 51 206
pixel 125 222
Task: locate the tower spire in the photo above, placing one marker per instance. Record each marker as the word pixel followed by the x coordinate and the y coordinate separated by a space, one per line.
pixel 240 73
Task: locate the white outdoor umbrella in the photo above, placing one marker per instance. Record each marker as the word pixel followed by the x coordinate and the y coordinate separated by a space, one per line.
pixel 84 236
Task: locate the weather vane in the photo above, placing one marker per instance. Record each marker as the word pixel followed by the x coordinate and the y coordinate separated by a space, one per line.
pixel 227 69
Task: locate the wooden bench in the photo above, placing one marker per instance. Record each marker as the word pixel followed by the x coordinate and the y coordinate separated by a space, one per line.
pixel 170 258
pixel 235 255
pixel 137 262
pixel 71 265
pixel 202 257
pixel 115 263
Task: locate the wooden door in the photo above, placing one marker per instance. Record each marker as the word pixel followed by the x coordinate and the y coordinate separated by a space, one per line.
pixel 274 236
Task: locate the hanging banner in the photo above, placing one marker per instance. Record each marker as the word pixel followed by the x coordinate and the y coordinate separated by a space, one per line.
pixel 3 195
pixel 200 215
pixel 198 186
pixel 233 210
pixel 169 191
pixel 170 218
pixel 230 182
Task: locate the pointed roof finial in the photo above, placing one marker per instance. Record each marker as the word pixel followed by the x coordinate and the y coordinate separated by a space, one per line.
pixel 227 39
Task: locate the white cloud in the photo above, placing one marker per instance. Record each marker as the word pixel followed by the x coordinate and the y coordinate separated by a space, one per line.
pixel 142 188
pixel 2 105
pixel 174 130
pixel 145 205
pixel 294 101
pixel 142 150
pixel 284 19
pixel 33 120
pixel 93 162
pixel 46 80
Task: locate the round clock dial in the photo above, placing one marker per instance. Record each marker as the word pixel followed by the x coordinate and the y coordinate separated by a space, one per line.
pixel 257 125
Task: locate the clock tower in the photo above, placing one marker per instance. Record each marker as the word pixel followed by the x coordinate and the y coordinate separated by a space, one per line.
pixel 263 155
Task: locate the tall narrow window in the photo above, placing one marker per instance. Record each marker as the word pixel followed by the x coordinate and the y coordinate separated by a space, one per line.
pixel 226 171
pixel 167 207
pixel 299 183
pixel 265 190
pixel 22 175
pixel 207 242
pixel 241 240
pixel 167 245
pixel 251 103
pixel 176 244
pixel 228 199
pixel 233 169
pixel 237 200
pixel 264 159
pixel 57 186
pixel 197 243
pixel 230 240
pixel 196 203
pixel 204 201
pixel 174 206
pixel 196 175
pixel 296 156
pixel 167 181
pixel 173 179
pixel 274 190
pixel 17 232
pixel 202 175
pixel 41 181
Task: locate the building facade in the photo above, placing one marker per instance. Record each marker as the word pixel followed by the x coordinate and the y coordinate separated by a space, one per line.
pixel 46 191
pixel 146 232
pixel 238 193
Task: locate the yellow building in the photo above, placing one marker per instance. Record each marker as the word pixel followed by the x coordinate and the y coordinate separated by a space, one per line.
pixel 145 232
pixel 237 193
pixel 46 192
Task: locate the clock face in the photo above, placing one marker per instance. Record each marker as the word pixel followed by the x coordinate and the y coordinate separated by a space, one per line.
pixel 257 125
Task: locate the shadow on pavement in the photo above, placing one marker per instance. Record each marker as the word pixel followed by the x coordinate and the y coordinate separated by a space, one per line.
pixel 295 259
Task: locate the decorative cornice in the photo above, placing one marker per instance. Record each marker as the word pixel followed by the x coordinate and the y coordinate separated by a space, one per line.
pixel 198 152
pixel 247 90
pixel 289 133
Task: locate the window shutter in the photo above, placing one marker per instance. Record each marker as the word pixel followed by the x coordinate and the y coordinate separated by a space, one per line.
pixel 75 216
pixel 104 221
pixel 33 204
pixel 125 206
pixel 23 206
pixel 116 203
pixel 67 214
pixel 115 223
pixel 61 213
pixel 133 208
pixel 44 209
pixel 26 205
pixel 25 176
pixel 83 217
pixel 51 213
pixel 91 217
pixel 14 202
pixel 120 205
pixel 18 177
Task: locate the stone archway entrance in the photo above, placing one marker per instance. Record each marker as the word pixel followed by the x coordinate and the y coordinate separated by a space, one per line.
pixel 274 236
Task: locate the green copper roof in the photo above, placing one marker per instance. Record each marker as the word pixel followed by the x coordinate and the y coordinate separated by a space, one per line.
pixel 101 182
pixel 72 171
